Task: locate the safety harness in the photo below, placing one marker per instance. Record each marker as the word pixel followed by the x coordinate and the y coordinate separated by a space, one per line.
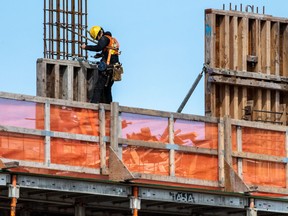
pixel 113 48
pixel 116 69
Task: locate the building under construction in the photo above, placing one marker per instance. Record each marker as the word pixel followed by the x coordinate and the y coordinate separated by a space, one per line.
pixel 60 155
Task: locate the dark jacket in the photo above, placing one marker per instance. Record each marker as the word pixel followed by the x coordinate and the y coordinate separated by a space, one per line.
pixel 100 47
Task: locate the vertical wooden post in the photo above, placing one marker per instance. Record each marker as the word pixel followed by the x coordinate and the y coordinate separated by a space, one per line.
pixel 275 64
pixel 239 149
pixel 244 39
pixel 227 140
pixel 114 127
pixel 258 100
pixel 221 153
pixel 102 126
pixel 234 61
pixel 47 134
pixel 210 89
pixel 172 151
pixel 266 65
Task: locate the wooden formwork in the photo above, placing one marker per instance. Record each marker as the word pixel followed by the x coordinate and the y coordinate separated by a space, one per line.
pixel 247 54
pixel 63 79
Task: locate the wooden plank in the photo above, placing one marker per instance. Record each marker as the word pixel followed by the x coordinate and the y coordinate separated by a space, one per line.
pixel 220 62
pixel 28 131
pixel 250 82
pixel 268 189
pixel 114 127
pixel 53 101
pixel 239 149
pixel 167 114
pixel 258 104
pixel 221 154
pixel 257 46
pixel 173 179
pixel 258 125
pixel 64 168
pixel 257 68
pixel 266 65
pixel 47 157
pixel 234 66
pixel 172 151
pixel 285 51
pixel 274 45
pixel 248 75
pixel 260 157
pixel 224 63
pixel 244 44
pixel 158 145
pixel 210 49
pixel 102 125
pixel 227 140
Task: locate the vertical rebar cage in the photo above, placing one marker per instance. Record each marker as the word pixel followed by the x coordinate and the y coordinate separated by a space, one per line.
pixel 65 24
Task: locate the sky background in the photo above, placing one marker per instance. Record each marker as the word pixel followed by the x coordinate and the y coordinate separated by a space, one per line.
pixel 162 44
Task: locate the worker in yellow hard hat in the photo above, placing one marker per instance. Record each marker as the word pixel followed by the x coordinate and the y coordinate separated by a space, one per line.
pixel 108 49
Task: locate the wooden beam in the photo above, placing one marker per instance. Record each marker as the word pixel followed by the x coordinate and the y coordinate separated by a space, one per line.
pixel 172 151
pixel 102 131
pixel 227 140
pixel 158 145
pixel 249 82
pixel 248 75
pixel 221 156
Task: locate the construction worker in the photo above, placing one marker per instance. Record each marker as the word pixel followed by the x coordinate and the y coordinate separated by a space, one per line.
pixel 108 50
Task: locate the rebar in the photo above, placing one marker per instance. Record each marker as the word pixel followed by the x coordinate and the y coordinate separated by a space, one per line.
pixel 63 43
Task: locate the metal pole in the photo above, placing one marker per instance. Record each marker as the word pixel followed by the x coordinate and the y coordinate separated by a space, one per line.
pixel 135 194
pixel 190 92
pixel 79 34
pixel 14 199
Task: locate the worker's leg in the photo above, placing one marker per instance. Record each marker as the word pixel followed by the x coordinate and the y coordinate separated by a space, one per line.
pixel 98 92
pixel 108 92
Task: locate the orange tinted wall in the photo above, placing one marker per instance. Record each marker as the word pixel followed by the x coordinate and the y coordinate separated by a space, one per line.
pixel 21 114
pixel 75 153
pixel 204 167
pixel 146 160
pixel 143 127
pixel 264 142
pixel 21 147
pixel 77 120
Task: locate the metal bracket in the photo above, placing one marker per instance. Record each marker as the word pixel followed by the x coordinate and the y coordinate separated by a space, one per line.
pixel 135 203
pixel 14 191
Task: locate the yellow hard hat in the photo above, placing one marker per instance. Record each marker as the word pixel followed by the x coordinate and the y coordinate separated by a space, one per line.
pixel 94 31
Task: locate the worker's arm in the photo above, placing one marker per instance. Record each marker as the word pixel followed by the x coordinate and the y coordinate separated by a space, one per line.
pixel 102 43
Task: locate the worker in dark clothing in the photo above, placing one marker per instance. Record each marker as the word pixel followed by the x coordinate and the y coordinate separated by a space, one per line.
pixel 108 49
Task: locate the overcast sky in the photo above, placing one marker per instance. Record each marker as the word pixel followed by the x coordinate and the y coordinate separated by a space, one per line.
pixel 162 44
